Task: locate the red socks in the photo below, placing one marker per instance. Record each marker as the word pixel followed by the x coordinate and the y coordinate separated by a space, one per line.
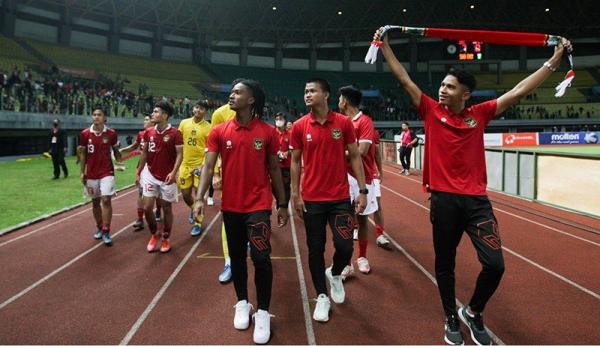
pixel 105 228
pixel 140 213
pixel 378 230
pixel 362 248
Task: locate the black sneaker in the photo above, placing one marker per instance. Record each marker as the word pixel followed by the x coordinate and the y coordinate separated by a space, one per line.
pixel 453 335
pixel 478 333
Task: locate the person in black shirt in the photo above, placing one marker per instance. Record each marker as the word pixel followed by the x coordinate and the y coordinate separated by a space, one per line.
pixel 58 148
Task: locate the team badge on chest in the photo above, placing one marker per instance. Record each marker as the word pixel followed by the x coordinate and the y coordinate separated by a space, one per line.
pixel 105 139
pixel 336 133
pixel 166 138
pixel 470 122
pixel 258 143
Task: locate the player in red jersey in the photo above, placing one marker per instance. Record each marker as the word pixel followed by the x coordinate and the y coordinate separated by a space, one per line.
pixel 137 146
pixel 250 171
pixel 381 240
pixel 348 104
pixel 320 140
pixel 97 143
pixel 455 173
pixel 161 158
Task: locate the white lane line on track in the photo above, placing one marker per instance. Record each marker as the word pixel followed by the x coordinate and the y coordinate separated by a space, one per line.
pixel 494 337
pixel 138 323
pixel 310 333
pixel 58 270
pixel 57 222
pixel 514 253
pixel 520 217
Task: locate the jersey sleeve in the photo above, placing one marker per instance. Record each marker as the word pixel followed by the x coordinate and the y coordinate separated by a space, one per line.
pixel 178 138
pixel 486 111
pixel 114 140
pixel 296 137
pixel 425 106
pixel 274 145
pixel 212 144
pixel 366 131
pixel 348 132
pixel 82 139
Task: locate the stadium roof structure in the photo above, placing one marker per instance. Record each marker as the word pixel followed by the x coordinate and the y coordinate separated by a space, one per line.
pixel 331 20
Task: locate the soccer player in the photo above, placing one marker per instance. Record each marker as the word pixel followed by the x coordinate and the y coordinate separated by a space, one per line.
pixel 348 104
pixel 137 146
pixel 161 158
pixel 320 140
pixel 248 148
pixel 97 143
pixel 195 132
pixel 219 116
pixel 284 155
pixel 381 240
pixel 454 173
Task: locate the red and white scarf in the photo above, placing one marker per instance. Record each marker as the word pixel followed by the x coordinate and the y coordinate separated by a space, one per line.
pixel 496 37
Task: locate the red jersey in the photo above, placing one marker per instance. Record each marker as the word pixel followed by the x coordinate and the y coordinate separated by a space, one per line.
pixel 284 146
pixel 365 132
pixel 139 140
pixel 245 154
pixel 454 153
pixel 99 149
pixel 376 138
pixel 323 152
pixel 161 150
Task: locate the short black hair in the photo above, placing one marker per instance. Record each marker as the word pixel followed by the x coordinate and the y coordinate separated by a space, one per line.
pixel 280 115
pixel 351 94
pixel 405 123
pixel 465 78
pixel 259 96
pixel 235 81
pixel 322 83
pixel 202 103
pixel 166 107
pixel 100 108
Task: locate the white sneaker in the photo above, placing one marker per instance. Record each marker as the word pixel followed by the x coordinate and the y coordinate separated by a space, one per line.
pixel 347 272
pixel 241 320
pixel 406 172
pixel 210 201
pixel 383 241
pixel 262 327
pixel 321 313
pixel 363 265
pixel 338 295
pixel 355 234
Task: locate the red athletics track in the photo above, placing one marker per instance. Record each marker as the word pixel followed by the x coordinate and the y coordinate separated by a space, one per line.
pixel 60 286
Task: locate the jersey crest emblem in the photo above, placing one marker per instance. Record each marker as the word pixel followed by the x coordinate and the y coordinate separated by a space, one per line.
pixel 336 133
pixel 166 138
pixel 258 143
pixel 470 122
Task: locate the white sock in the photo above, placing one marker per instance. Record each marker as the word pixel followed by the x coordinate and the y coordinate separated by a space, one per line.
pixel 227 261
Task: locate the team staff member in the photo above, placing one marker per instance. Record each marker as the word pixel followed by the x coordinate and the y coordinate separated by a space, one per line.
pixel 97 143
pixel 459 202
pixel 58 148
pixel 408 140
pixel 161 158
pixel 320 139
pixel 137 146
pixel 348 104
pixel 248 148
pixel 195 133
pixel 219 116
pixel 284 155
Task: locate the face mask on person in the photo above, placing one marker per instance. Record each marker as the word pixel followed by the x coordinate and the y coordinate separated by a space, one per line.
pixel 279 123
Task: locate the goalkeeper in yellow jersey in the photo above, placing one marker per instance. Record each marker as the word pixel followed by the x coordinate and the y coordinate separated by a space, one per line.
pixel 194 131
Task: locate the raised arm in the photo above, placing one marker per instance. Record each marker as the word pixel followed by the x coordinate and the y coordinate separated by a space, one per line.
pixel 399 71
pixel 534 80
